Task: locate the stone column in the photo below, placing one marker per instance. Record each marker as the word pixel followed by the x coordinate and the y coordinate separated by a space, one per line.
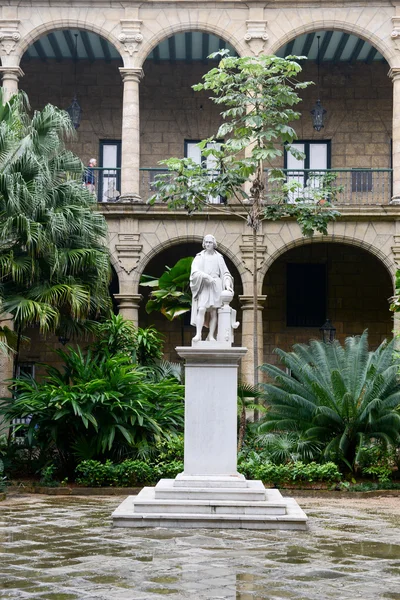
pixel 129 306
pixel 10 77
pixel 247 305
pixel 130 159
pixel 395 75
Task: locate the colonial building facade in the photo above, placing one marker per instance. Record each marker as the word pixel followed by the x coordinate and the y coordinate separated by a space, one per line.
pixel 131 66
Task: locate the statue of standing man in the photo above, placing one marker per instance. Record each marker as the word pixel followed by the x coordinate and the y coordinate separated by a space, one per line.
pixel 209 276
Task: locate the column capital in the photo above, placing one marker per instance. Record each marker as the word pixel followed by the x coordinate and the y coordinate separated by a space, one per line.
pixel 131 74
pixel 128 300
pixel 394 73
pixel 247 302
pixel 14 73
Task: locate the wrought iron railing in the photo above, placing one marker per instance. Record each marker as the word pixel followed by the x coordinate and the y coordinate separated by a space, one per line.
pixel 104 182
pixel 353 186
pixel 350 186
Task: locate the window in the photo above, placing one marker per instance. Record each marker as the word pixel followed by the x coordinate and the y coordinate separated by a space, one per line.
pixel 109 183
pixel 193 151
pixel 305 295
pixel 25 369
pixel 317 158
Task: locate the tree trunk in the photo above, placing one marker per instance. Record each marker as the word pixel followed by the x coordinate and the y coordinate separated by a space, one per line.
pixel 255 315
pixel 242 427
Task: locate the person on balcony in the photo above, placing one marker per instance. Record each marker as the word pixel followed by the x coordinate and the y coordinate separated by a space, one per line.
pixel 89 179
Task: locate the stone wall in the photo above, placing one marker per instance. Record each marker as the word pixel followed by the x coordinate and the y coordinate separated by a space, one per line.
pixel 358 289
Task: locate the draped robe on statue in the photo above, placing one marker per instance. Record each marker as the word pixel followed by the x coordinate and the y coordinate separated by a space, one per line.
pixel 206 294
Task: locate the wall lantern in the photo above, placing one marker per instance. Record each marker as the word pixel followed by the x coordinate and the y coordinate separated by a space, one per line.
pixel 74 110
pixel 318 112
pixel 328 331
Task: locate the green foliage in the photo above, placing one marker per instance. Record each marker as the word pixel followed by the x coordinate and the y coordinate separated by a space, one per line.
pixel 97 407
pixel 294 472
pixel 149 345
pixel 382 473
pixel 371 487
pixel 115 336
pixel 128 473
pixel 47 476
pixel 288 447
pixel 339 397
pixel 258 97
pixel 170 294
pixel 54 263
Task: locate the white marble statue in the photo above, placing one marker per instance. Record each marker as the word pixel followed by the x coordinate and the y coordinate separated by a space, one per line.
pixel 208 278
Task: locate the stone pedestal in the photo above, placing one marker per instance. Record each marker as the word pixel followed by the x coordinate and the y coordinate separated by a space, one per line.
pixel 210 492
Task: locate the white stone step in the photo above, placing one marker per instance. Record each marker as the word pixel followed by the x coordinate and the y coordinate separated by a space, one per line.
pixel 222 507
pixel 295 519
pixel 167 490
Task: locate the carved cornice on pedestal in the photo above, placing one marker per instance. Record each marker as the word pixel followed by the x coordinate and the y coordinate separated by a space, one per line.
pixel 247 251
pixel 130 35
pixel 9 35
pixel 128 251
pixel 256 35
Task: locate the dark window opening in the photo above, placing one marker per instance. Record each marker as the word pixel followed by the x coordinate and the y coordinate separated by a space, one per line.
pixel 306 295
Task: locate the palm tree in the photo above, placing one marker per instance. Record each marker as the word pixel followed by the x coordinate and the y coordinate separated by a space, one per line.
pixel 342 397
pixel 54 264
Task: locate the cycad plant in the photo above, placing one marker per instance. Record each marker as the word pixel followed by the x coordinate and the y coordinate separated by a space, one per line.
pixel 54 264
pixel 341 397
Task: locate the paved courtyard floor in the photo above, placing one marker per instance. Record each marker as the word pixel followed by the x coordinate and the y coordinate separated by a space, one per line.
pixel 63 548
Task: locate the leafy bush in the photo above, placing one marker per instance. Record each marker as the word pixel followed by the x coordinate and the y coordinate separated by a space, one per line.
pixel 101 406
pixel 93 473
pixel 341 397
pixel 290 472
pixel 168 470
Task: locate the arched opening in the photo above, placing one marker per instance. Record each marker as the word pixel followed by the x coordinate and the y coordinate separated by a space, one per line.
pixel 310 283
pixel 352 83
pixel 179 332
pixel 68 63
pixel 173 116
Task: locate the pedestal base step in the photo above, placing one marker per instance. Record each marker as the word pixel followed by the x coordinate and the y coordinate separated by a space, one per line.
pixel 184 509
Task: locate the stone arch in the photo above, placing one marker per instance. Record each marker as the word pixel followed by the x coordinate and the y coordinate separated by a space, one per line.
pixel 387 51
pixel 186 26
pixel 176 241
pixel 36 33
pixel 387 262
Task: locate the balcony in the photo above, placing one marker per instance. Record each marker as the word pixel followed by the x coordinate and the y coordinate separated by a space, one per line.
pixel 356 187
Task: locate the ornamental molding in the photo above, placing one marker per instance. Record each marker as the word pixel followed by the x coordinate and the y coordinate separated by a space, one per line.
pixel 396 249
pixel 9 35
pixel 129 251
pixel 130 35
pixel 256 35
pixel 247 251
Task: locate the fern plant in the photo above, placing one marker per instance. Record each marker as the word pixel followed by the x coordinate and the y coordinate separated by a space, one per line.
pixel 341 397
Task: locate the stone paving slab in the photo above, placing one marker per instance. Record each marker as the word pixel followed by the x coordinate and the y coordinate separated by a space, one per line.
pixel 64 548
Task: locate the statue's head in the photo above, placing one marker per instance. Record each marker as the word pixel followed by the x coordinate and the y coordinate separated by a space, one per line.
pixel 210 238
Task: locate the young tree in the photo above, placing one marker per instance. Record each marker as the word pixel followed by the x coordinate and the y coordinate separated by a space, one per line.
pixel 54 264
pixel 258 98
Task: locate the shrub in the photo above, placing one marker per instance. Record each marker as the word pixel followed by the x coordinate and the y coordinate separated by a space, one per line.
pixel 93 473
pixel 291 472
pixel 339 397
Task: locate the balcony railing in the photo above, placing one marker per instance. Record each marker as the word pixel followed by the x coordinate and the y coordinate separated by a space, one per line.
pixel 352 186
pixel 363 187
pixel 104 182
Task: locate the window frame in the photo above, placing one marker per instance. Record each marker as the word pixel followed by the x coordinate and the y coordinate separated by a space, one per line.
pixel 102 144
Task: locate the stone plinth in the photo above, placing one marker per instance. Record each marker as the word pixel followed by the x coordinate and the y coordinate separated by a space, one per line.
pixel 210 492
